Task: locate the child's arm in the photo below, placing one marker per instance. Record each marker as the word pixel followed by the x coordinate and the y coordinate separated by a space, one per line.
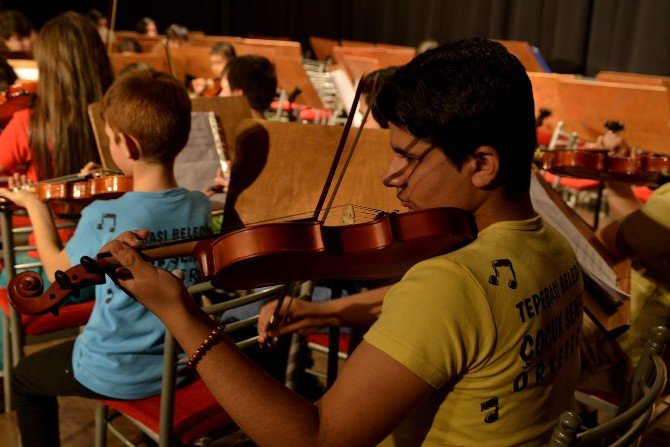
pixel 49 246
pixel 358 310
pixel 621 199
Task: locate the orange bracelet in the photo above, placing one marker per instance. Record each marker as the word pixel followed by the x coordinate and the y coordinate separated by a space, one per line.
pixel 213 338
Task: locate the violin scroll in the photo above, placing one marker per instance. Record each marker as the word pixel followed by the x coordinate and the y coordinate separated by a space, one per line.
pixel 26 289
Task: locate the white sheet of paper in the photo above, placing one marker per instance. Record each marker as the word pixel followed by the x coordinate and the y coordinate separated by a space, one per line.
pixel 347 93
pixel 196 165
pixel 590 260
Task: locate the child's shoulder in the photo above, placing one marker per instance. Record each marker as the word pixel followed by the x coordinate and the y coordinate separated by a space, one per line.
pixel 134 199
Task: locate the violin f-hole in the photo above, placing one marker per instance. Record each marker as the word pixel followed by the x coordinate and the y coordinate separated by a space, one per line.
pixel 495 278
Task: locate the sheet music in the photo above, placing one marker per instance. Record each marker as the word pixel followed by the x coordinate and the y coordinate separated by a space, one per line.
pixel 590 260
pixel 196 165
pixel 347 93
pixel 27 74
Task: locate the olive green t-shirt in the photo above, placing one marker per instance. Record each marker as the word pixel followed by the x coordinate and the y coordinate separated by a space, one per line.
pixel 494 327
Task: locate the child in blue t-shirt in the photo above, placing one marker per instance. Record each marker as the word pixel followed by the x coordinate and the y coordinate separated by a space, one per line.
pixel 119 353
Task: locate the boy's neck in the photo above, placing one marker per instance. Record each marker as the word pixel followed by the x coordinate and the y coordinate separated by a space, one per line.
pixel 153 177
pixel 256 114
pixel 502 208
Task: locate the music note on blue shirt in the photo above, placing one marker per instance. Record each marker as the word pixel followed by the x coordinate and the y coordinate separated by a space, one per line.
pixel 112 218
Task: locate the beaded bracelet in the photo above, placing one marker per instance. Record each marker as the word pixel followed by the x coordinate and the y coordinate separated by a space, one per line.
pixel 213 338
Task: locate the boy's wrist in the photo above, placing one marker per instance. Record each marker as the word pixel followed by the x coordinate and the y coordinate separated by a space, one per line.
pixel 330 310
pixel 32 203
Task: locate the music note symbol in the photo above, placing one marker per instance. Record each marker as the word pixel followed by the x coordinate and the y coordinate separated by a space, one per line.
pixel 491 416
pixel 109 216
pixel 495 279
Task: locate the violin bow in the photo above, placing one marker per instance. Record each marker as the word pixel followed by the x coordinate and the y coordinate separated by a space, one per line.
pixel 362 86
pixel 110 36
pixel 168 55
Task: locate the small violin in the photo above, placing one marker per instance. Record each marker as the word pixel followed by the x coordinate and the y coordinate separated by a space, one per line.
pixel 16 97
pixel 213 88
pixel 100 184
pixel 632 167
pixel 597 164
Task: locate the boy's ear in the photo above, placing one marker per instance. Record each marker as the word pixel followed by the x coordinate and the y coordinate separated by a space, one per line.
pixel 485 165
pixel 237 92
pixel 132 146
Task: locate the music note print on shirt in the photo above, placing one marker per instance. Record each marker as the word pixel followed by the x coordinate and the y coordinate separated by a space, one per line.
pixel 495 278
pixel 111 218
pixel 491 416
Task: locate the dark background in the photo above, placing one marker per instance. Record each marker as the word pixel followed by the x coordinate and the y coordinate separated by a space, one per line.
pixel 575 36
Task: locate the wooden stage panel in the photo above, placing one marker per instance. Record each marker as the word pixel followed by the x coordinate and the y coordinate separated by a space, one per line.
pixel 545 94
pixel 645 111
pixel 297 165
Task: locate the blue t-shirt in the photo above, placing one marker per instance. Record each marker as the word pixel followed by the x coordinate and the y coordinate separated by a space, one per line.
pixel 119 353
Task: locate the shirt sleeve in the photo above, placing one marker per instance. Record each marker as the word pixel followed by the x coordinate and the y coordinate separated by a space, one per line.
pixel 86 240
pixel 647 231
pixel 14 146
pixel 431 322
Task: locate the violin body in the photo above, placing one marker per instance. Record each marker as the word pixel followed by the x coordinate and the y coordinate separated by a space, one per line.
pixel 385 248
pixel 279 253
pixel 597 164
pixel 17 97
pixel 213 88
pixel 84 188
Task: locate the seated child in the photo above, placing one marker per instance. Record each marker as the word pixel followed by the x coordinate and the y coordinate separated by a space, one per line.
pixel 253 77
pixel 219 56
pixel 119 353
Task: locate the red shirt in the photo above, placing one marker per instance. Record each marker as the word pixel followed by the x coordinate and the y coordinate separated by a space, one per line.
pixel 15 155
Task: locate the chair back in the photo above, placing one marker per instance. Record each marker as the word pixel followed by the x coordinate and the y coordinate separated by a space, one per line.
pixel 199 414
pixel 15 229
pixel 634 413
pixel 170 360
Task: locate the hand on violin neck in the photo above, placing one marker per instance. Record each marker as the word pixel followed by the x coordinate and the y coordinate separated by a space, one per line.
pixel 131 238
pixel 19 181
pixel 20 191
pixel 221 183
pixel 157 289
pixel 90 168
pixel 198 85
pixel 614 143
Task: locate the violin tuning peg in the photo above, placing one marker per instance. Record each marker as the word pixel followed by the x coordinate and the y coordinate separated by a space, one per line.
pixel 89 264
pixel 63 280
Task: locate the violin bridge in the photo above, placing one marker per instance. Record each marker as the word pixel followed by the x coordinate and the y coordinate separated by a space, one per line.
pixel 348 215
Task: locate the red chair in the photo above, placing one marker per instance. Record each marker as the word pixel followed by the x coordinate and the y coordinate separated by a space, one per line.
pixel 179 416
pixel 19 330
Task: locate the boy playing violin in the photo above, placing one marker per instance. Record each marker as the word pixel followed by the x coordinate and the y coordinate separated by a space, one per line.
pixel 477 346
pixel 119 353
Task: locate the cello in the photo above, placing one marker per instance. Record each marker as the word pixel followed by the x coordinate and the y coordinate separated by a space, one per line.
pixel 274 253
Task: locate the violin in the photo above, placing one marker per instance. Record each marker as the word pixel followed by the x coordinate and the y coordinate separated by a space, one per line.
pixel 276 253
pixel 638 168
pixel 213 88
pixel 16 97
pixel 597 164
pixel 100 184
